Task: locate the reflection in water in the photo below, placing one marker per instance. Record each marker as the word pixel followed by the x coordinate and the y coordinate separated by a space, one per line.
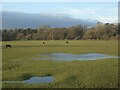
pixel 40 80
pixel 63 56
pixel 34 80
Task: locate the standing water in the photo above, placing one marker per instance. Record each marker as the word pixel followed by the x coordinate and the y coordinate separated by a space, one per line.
pixel 67 57
pixel 34 80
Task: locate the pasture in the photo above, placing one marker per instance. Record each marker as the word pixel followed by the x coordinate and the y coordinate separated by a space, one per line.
pixel 19 63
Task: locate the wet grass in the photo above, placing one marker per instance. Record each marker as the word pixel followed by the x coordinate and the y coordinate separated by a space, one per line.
pixel 19 64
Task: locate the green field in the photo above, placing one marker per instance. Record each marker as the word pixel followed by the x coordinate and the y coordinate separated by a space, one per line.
pixel 19 64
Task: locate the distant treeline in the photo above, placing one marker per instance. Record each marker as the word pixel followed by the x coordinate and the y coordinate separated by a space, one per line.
pixel 100 31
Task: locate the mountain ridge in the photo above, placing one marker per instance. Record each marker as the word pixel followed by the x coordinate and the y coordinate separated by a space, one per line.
pixel 12 20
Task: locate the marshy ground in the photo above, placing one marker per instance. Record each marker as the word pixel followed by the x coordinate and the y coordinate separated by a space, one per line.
pixel 19 64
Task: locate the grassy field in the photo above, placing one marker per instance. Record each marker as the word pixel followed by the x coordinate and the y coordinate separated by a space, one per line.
pixel 19 64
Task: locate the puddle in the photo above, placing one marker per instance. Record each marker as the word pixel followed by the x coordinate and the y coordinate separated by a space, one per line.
pixel 67 57
pixel 34 80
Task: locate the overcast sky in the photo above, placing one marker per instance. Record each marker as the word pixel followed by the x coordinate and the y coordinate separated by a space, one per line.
pixel 101 11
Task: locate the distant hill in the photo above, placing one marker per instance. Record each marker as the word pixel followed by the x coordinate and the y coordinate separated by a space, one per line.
pixel 25 20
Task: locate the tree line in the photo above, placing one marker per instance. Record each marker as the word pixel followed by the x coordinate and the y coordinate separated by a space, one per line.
pixel 100 32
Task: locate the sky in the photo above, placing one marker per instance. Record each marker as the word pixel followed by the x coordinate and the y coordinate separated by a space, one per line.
pixel 60 0
pixel 101 11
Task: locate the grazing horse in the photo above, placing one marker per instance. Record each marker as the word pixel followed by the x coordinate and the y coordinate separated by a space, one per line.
pixel 67 42
pixel 8 45
pixel 44 43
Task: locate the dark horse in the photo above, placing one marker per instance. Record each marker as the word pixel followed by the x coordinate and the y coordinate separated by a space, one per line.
pixel 44 43
pixel 67 42
pixel 8 45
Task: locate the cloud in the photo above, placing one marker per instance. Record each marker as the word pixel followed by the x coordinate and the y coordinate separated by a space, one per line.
pixel 108 19
pixel 79 13
pixel 100 14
